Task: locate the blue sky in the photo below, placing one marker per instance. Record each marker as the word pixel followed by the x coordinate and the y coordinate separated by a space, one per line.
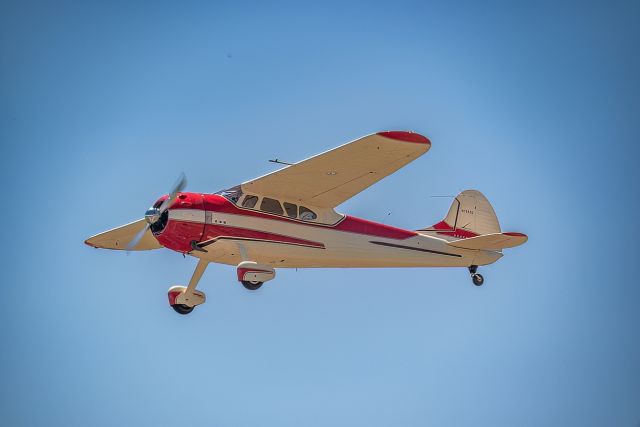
pixel 536 104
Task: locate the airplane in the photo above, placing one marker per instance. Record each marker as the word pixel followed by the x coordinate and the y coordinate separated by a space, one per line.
pixel 287 219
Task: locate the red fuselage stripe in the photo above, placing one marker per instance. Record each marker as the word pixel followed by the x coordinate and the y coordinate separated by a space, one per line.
pixel 215 232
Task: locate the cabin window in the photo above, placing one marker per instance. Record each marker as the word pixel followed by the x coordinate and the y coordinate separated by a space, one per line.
pixel 307 214
pixel 291 209
pixel 271 205
pixel 249 201
pixel 232 194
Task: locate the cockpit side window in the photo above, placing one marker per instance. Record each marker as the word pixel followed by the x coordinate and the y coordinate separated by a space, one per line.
pixel 232 194
pixel 249 201
pixel 291 209
pixel 307 214
pixel 271 205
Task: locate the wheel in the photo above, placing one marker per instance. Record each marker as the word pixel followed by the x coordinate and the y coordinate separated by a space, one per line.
pixel 478 280
pixel 252 286
pixel 182 308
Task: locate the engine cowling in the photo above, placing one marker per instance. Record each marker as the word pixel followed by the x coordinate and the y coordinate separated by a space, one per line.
pixel 184 224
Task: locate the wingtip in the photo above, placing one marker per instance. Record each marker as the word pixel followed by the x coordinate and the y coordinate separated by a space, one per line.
pixel 401 135
pixel 89 242
pixel 515 234
pixel 523 237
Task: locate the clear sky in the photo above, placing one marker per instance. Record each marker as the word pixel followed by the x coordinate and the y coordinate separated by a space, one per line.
pixel 536 104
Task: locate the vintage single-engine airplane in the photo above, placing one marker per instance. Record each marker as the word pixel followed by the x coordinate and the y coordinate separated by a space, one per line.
pixel 287 219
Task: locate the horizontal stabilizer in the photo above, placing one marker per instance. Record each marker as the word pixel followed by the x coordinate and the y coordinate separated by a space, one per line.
pixel 491 242
pixel 118 238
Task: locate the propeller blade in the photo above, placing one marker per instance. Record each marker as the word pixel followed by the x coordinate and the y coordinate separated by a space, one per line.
pixel 134 242
pixel 179 185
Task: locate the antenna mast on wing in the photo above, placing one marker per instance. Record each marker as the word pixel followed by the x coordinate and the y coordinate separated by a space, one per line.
pixel 280 162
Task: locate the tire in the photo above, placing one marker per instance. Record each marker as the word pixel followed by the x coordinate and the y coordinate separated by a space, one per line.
pixel 252 286
pixel 478 280
pixel 182 308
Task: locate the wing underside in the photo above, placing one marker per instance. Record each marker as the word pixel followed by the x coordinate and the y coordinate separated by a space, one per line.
pixel 330 178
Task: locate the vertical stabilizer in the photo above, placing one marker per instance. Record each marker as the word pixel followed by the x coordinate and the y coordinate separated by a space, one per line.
pixel 470 215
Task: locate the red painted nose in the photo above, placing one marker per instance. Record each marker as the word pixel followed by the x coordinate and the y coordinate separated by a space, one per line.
pixel 185 223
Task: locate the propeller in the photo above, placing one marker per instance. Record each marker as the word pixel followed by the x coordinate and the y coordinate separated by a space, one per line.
pixel 153 214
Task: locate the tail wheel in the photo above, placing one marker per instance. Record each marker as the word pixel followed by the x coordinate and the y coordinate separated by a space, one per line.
pixel 477 278
pixel 252 286
pixel 182 308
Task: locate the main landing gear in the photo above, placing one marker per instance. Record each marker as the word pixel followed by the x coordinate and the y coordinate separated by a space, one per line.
pixel 184 299
pixel 477 278
pixel 252 275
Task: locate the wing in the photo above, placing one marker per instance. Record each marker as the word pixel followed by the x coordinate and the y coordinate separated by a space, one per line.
pixel 118 238
pixel 330 178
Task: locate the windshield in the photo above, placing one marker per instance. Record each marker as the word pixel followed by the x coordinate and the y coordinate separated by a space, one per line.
pixel 232 194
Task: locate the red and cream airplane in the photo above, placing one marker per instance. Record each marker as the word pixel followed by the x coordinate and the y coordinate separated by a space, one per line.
pixel 287 219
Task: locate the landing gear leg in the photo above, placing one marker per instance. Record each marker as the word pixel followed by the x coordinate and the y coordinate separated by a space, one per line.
pixel 477 278
pixel 183 300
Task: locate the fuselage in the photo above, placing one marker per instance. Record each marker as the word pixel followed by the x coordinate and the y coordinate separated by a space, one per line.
pixel 214 228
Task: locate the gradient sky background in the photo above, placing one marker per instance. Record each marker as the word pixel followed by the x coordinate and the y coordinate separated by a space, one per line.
pixel 535 104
